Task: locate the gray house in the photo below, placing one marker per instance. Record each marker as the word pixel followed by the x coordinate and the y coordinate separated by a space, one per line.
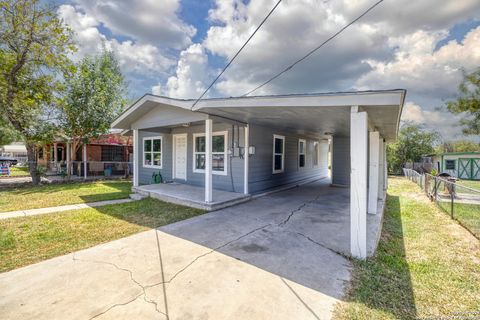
pixel 224 151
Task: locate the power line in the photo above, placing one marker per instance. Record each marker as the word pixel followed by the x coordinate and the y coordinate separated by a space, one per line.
pixel 238 52
pixel 312 51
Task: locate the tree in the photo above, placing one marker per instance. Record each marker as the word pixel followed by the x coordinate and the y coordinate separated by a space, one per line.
pixel 468 103
pixel 459 146
pixel 7 133
pixel 34 48
pixel 412 143
pixel 94 98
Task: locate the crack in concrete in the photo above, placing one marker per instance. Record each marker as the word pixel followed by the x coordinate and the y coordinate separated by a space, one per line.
pixel 298 209
pixel 322 245
pixel 144 294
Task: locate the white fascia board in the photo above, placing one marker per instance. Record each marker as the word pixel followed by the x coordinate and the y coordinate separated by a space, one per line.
pixel 380 98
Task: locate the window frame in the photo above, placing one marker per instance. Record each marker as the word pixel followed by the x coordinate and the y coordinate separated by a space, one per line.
pixel 224 172
pixel 152 152
pixel 304 153
pixel 276 136
pixel 454 164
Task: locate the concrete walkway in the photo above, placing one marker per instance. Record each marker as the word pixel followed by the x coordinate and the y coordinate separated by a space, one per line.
pixel 34 212
pixel 276 257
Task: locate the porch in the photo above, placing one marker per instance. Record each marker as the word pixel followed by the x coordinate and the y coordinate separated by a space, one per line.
pixel 192 196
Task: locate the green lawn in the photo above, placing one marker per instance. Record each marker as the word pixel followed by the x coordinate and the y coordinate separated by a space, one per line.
pixel 427 265
pixel 28 240
pixel 474 184
pixel 29 197
pixel 18 172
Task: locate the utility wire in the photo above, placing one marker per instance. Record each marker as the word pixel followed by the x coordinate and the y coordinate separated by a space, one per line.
pixel 313 50
pixel 238 52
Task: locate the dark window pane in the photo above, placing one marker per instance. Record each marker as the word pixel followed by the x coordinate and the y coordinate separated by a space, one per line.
pixel 450 164
pixel 200 161
pixel 278 162
pixel 112 153
pixel 157 145
pixel 218 162
pixel 157 159
pixel 147 146
pixel 302 160
pixel 218 143
pixel 200 144
pixel 302 147
pixel 278 145
pixel 148 159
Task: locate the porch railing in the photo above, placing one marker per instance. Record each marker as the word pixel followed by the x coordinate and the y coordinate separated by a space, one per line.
pixel 462 203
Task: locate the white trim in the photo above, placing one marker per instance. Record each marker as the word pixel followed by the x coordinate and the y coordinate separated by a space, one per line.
pixel 276 136
pixel 161 152
pixel 373 171
pixel 300 153
pixel 136 158
pixel 246 159
pixel 225 153
pixel 316 154
pixel 208 161
pixel 174 147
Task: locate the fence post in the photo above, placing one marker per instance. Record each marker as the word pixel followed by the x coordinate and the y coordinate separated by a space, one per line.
pixel 435 189
pixel 452 197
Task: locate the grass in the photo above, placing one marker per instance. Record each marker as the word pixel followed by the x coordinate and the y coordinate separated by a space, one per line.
pixel 18 172
pixel 426 265
pixel 28 240
pixel 474 184
pixel 30 197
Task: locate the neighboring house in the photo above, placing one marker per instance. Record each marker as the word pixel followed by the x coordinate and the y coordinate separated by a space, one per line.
pixel 16 150
pixel 108 151
pixel 463 165
pixel 250 145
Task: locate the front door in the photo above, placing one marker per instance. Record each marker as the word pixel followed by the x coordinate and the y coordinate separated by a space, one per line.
pixel 180 156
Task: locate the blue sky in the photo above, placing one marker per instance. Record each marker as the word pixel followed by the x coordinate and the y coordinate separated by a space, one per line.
pixel 176 47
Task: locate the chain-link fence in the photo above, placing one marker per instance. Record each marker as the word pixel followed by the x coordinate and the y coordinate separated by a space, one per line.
pixel 460 202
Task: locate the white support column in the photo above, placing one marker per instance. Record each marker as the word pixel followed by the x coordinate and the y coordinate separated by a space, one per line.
pixel 85 161
pixel 381 166
pixel 245 160
pixel 374 170
pixel 358 183
pixel 69 169
pixel 208 160
pixel 136 157
pixel 385 167
pixel 55 155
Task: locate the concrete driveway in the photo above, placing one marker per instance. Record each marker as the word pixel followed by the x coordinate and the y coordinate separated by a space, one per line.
pixel 271 258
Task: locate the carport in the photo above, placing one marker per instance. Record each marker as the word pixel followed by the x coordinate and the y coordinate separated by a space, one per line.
pixel 357 124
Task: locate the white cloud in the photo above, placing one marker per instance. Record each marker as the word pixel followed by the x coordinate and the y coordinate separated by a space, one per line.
pixel 147 21
pixel 157 89
pixel 143 59
pixel 417 67
pixel 191 76
pixel 441 121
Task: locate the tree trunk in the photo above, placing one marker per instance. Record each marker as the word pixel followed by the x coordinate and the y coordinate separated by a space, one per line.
pixel 32 163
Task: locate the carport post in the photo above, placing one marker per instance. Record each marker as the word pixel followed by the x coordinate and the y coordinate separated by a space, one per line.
pixel 385 167
pixel 358 182
pixel 381 166
pixel 373 172
pixel 208 160
pixel 136 157
pixel 245 160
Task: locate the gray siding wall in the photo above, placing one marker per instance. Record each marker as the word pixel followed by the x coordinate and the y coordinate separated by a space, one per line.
pixel 145 174
pixel 341 161
pixel 233 181
pixel 261 175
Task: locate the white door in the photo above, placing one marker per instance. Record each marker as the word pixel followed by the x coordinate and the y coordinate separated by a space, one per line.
pixel 180 156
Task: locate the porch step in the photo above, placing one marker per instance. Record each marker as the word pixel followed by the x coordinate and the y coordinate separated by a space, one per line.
pixel 137 196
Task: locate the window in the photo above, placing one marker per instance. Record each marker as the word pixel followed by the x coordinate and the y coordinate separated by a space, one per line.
pixel 152 152
pixel 302 144
pixel 315 153
pixel 449 164
pixel 278 153
pixel 219 152
pixel 112 153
